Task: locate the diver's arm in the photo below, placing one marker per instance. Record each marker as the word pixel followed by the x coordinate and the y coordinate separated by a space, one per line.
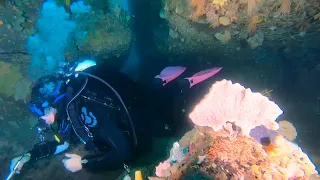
pixel 120 150
pixel 39 151
pixel 96 162
pixel 47 148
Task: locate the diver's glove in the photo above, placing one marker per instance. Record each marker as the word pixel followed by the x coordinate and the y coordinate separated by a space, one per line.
pixel 73 164
pixel 23 159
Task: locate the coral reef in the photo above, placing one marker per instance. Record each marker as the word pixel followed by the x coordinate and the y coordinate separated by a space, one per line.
pixel 243 18
pixel 195 142
pixel 244 157
pixel 107 35
pixel 220 145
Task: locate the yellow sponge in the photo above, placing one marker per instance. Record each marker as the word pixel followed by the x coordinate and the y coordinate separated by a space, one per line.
pixel 138 175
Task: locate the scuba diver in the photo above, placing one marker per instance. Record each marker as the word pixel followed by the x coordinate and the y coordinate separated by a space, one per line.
pixel 112 115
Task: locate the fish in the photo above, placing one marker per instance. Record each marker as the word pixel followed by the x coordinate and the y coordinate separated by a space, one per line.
pixel 170 73
pixel 203 75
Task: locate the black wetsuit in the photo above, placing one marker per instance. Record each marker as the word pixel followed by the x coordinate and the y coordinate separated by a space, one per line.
pixel 155 112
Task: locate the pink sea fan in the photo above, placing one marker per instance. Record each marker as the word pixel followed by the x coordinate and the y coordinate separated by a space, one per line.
pixel 227 102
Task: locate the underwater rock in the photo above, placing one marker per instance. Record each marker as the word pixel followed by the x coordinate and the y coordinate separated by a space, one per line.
pixel 18 22
pixel 106 36
pixel 248 17
pixel 12 38
pixel 10 76
pixel 23 90
pixel 256 40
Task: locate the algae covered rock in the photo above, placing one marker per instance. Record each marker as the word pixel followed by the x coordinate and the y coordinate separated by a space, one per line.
pixel 10 76
pixel 106 34
pixel 256 40
pixel 197 21
pixel 23 89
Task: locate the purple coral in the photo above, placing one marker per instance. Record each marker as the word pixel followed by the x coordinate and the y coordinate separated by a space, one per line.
pixel 261 133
